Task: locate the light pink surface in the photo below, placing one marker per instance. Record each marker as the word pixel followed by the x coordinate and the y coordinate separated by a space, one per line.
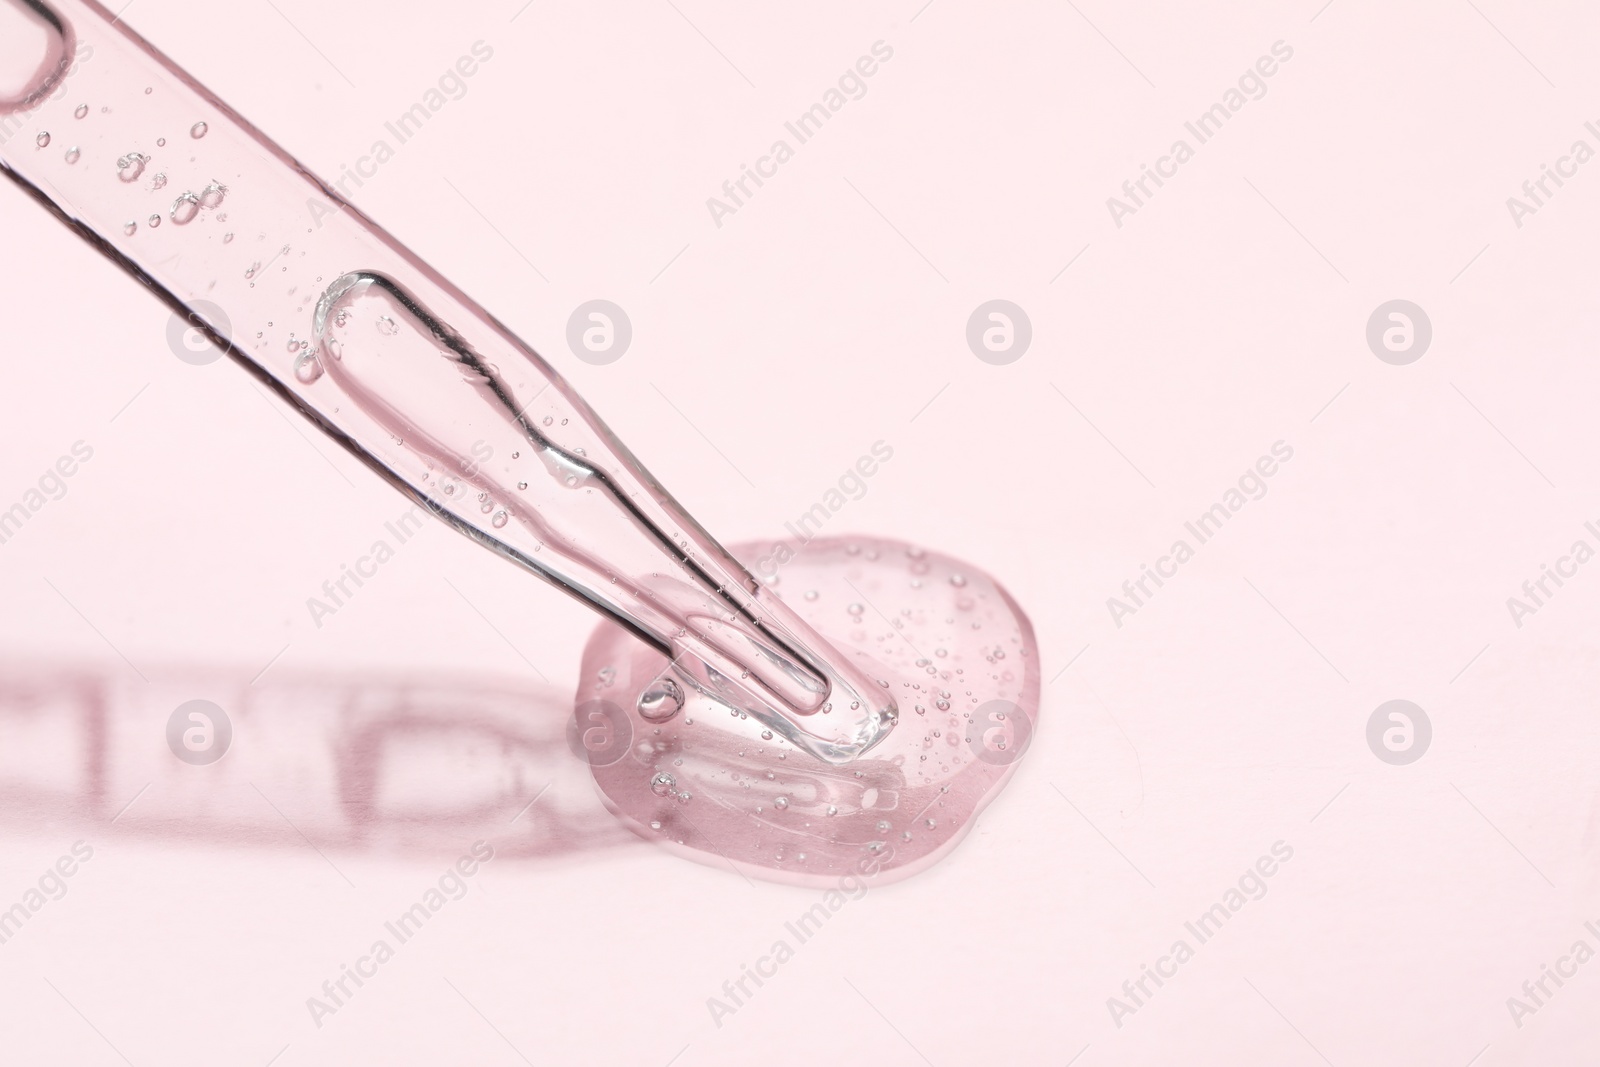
pixel 1226 715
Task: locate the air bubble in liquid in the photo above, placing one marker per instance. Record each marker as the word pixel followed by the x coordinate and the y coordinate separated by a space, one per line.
pixel 307 368
pixel 198 130
pixel 185 208
pixel 159 181
pixel 83 109
pixel 130 228
pixel 662 784
pixel 43 140
pixel 499 520
pixel 212 195
pixel 155 220
pixel 73 154
pixel 661 701
pixel 130 166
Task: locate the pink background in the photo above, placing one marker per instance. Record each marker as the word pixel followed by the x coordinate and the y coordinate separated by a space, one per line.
pixel 830 312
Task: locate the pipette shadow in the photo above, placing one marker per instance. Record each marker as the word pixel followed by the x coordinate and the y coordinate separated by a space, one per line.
pixel 340 763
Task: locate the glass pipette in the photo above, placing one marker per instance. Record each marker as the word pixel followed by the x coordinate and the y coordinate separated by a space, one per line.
pixel 400 367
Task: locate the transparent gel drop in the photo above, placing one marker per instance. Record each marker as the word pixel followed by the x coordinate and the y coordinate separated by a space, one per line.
pixel 909 800
pixel 661 701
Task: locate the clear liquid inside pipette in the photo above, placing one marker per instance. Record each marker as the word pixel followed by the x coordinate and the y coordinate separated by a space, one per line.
pixel 407 372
